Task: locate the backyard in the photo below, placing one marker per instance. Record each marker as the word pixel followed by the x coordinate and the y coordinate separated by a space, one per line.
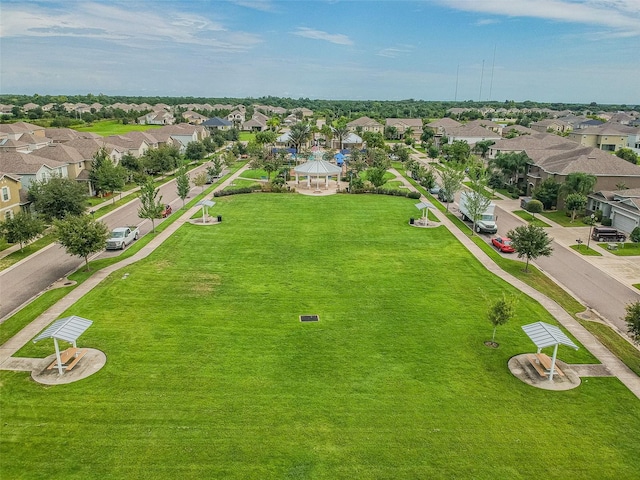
pixel 210 373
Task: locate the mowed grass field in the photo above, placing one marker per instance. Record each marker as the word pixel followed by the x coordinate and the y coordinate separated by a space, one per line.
pixel 210 374
pixel 114 127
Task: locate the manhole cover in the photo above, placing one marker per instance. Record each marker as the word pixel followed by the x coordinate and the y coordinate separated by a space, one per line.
pixel 309 318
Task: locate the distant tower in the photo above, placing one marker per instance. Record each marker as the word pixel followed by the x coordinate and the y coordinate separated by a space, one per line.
pixel 481 77
pixel 492 67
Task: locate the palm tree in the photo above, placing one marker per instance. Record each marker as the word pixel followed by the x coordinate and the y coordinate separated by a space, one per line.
pixel 273 123
pixel 341 132
pixel 408 134
pixel 299 134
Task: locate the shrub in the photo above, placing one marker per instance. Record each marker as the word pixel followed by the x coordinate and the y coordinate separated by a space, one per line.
pixel 415 195
pixel 606 222
pixel 635 235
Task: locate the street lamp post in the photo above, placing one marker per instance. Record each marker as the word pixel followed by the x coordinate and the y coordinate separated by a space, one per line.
pixel 593 216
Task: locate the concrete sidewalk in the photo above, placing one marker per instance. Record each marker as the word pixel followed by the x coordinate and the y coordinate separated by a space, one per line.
pixel 611 362
pixel 14 344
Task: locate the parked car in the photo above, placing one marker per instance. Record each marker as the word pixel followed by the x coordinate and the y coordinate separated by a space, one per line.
pixel 524 201
pixel 121 237
pixel 435 189
pixel 167 211
pixel 608 234
pixel 503 244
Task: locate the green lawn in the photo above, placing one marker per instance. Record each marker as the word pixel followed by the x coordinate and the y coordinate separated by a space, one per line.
pixel 561 218
pixel 113 127
pixel 587 252
pixel 246 136
pixel 211 375
pixel 626 249
pixel 530 218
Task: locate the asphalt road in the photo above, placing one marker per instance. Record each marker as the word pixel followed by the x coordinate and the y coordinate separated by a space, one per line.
pixel 593 287
pixel 22 282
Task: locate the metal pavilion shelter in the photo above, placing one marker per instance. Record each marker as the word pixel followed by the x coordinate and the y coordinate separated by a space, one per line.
pixel 544 335
pixel 67 329
pixel 317 168
pixel 206 205
pixel 424 208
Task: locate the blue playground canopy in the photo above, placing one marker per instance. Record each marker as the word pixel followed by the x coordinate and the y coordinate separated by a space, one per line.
pixel 339 158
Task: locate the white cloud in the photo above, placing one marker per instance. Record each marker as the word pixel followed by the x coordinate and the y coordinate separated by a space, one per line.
pixel 337 38
pixel 115 23
pixel 395 52
pixel 487 21
pixel 621 15
pixel 262 5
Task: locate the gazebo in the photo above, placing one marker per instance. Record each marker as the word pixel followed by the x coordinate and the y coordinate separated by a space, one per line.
pixel 67 329
pixel 424 208
pixel 545 335
pixel 205 204
pixel 317 168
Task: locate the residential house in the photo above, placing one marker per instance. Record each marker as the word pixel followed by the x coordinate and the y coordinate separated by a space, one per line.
pixel 9 145
pixel 9 195
pixel 136 146
pixel 62 153
pixel 365 124
pixel 608 169
pixel 160 117
pixel 471 134
pixel 194 117
pixel 15 130
pixel 509 130
pixel 29 167
pixel 61 135
pixel 440 126
pixel 33 142
pixel 304 111
pixel 622 207
pixel 237 118
pixel 258 123
pixel 403 124
pixel 551 125
pixel 608 136
pixel 488 124
pixel 217 123
pixel 29 106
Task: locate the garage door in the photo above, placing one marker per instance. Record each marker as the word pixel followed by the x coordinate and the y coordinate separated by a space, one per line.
pixel 624 222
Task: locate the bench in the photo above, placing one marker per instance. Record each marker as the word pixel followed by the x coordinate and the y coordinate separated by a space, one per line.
pixel 546 363
pixel 65 356
pixel 535 364
pixel 81 354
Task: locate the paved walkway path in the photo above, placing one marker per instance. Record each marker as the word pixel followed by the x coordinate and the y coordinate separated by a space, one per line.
pixel 610 361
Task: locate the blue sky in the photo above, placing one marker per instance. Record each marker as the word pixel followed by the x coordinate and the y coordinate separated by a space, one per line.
pixel 540 50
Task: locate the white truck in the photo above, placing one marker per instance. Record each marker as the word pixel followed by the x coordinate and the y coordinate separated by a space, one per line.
pixel 485 221
pixel 121 237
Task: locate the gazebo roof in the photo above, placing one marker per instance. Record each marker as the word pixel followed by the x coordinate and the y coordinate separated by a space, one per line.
pixel 318 167
pixel 67 329
pixel 423 205
pixel 545 335
pixel 205 203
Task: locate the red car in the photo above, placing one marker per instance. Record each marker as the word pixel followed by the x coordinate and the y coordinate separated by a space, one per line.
pixel 503 244
pixel 167 211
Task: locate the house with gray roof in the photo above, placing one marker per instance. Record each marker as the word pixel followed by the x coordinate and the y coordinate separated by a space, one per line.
pixel 217 123
pixel 622 207
pixel 471 134
pixel 29 167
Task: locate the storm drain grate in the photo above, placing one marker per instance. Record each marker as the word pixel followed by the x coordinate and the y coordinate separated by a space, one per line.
pixel 309 318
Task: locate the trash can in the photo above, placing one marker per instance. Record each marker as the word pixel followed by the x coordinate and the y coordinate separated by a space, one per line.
pixel 412 221
pixel 219 218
